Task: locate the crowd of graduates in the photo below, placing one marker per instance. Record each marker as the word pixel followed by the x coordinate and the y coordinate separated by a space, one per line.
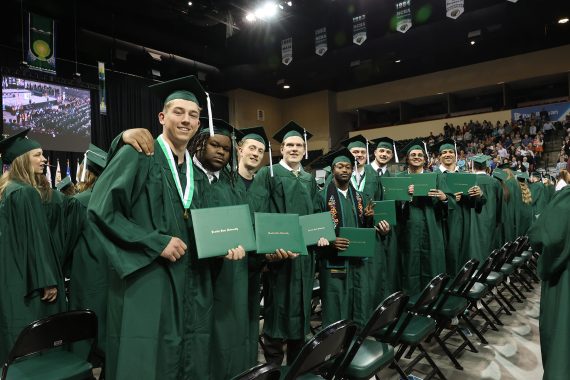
pixel 126 240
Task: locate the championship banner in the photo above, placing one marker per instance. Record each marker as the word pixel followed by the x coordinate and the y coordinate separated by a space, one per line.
pixel 454 8
pixel 403 16
pixel 40 38
pixel 287 51
pixel 102 95
pixel 359 29
pixel 321 45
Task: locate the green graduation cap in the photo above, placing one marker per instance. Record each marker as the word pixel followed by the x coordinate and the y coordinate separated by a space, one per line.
pixel 340 155
pixel 504 166
pixel 415 144
pixel 257 134
pixel 64 183
pixel 16 145
pixel 221 127
pixel 445 144
pixel 186 88
pixel 292 129
pixel 357 141
pixel 94 159
pixel 522 176
pixel 480 159
pixel 500 174
pixel 386 143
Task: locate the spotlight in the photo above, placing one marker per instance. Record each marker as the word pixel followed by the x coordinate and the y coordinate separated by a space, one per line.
pixel 472 42
pixel 189 3
pixel 290 3
pixel 398 61
pixel 563 20
pixel 250 17
pixel 286 86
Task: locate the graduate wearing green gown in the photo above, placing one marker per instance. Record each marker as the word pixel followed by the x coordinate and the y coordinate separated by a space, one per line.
pixel 510 208
pixel 30 272
pixel 346 282
pixel 215 186
pixel 420 231
pixel 366 180
pixel 251 149
pixel 524 213
pixel 383 153
pixel 485 225
pixel 540 194
pixel 549 236
pixel 89 266
pixel 287 188
pixel 459 209
pixel 140 208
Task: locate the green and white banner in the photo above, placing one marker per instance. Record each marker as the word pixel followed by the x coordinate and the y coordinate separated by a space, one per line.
pixel 102 93
pixel 40 38
pixel 359 29
pixel 454 8
pixel 287 51
pixel 403 15
pixel 321 45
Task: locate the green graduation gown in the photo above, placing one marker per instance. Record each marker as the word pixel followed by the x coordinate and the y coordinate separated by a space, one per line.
pixel 509 225
pixel 549 235
pixel 28 263
pixel 230 335
pixel 345 282
pixel 485 225
pixel 157 309
pixel 393 265
pixel 289 284
pixel 89 272
pixel 370 186
pixel 420 242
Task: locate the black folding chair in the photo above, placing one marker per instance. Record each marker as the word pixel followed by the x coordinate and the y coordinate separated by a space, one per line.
pixel 368 356
pixel 323 354
pixel 40 350
pixel 451 307
pixel 265 371
pixel 414 327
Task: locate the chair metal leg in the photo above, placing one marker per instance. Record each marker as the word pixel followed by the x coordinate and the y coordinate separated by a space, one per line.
pixel 432 364
pixel 475 330
pixel 493 315
pixel 448 353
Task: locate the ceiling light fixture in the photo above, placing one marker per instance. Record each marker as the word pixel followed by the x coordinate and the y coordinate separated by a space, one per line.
pixel 189 3
pixel 250 17
pixel 290 3
pixel 472 42
pixel 563 20
pixel 286 86
pixel 398 61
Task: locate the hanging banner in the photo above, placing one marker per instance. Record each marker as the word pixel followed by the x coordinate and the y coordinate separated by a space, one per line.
pixel 102 95
pixel 287 51
pixel 40 38
pixel 321 45
pixel 403 16
pixel 454 8
pixel 359 29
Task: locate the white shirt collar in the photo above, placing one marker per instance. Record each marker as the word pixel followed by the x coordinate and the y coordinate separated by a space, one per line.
pixel 284 164
pixel 208 173
pixel 343 192
pixel 443 169
pixel 480 172
pixel 375 166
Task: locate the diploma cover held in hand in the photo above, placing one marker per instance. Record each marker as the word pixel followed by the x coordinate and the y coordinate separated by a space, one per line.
pixel 278 231
pixel 362 242
pixel 316 226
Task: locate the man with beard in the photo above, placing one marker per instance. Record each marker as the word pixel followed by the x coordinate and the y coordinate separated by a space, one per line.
pixel 420 231
pixel 346 282
pixel 215 187
pixel 287 188
pixel 460 206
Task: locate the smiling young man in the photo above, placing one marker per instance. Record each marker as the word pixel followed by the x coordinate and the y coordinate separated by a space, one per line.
pixel 289 283
pixel 347 284
pixel 420 232
pixel 140 209
pixel 460 206
pixel 251 149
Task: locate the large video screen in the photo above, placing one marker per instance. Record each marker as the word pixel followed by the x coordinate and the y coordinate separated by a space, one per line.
pixel 59 116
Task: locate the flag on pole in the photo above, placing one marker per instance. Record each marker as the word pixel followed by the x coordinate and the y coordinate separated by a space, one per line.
pixel 57 173
pixel 77 174
pixel 48 174
pixel 68 170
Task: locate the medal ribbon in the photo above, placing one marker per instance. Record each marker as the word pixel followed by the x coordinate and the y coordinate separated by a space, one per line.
pixel 186 198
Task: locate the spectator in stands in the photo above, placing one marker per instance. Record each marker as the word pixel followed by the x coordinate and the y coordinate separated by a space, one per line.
pixel 563 179
pixel 538 144
pixel 526 140
pixel 547 129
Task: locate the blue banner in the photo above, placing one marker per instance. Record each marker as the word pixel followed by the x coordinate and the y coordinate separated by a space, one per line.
pixel 556 111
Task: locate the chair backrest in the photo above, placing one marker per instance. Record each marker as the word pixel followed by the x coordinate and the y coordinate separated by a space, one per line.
pixel 54 331
pixel 485 269
pixel 386 316
pixel 328 346
pixel 463 277
pixel 502 255
pixel 267 371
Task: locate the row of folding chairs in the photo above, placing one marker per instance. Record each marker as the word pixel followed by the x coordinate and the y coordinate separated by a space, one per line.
pixel 402 323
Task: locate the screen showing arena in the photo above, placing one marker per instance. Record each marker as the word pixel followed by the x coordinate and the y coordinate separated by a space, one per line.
pixel 59 116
